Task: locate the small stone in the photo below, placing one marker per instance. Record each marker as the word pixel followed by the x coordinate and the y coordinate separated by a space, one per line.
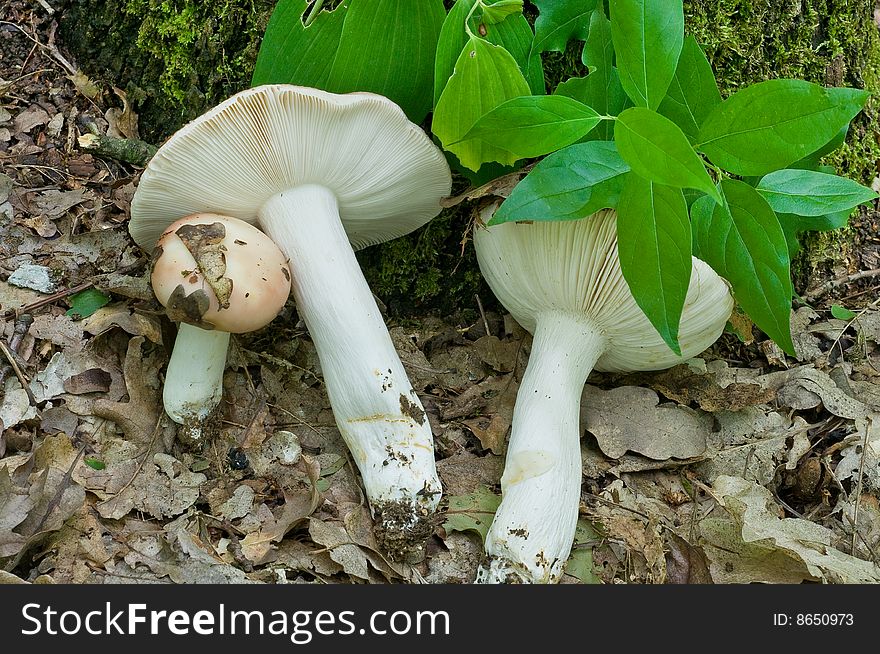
pixel 53 129
pixel 284 447
pixel 36 278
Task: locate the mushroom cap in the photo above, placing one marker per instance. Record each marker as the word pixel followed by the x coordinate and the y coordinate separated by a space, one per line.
pixel 235 263
pixel 573 266
pixel 387 175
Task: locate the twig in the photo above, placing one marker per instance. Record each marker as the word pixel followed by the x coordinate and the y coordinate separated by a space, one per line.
pixel 133 151
pixel 18 373
pixel 49 299
pixel 59 295
pixel 482 314
pixel 868 424
pixel 137 471
pixel 840 281
pixel 51 49
pixel 45 5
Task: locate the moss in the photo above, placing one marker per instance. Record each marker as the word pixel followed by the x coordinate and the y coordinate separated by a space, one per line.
pixel 175 58
pixel 179 57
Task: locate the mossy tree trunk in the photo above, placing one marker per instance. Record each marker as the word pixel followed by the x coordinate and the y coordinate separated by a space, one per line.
pixel 176 58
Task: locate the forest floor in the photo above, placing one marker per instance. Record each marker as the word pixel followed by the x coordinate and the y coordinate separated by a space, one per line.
pixel 742 465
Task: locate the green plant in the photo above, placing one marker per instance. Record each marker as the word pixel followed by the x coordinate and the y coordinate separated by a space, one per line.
pixel 732 181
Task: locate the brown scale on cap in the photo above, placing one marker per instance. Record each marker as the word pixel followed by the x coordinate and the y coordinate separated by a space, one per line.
pixel 218 272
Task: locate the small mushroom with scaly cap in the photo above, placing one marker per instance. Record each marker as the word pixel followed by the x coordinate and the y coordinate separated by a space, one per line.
pixel 216 276
pixel 562 282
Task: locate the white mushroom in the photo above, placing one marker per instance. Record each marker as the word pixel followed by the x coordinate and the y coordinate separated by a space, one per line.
pixel 215 275
pixel 562 282
pixel 323 175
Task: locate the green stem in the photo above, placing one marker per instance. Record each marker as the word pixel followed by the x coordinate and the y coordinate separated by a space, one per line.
pixel 313 12
pixel 467 19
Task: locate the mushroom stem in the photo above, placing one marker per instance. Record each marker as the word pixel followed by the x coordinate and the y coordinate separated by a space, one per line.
pixel 533 529
pixel 376 409
pixel 194 379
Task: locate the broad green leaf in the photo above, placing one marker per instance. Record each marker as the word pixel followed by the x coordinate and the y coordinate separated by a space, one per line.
pixel 450 44
pixel 560 21
pixel 809 193
pixel 388 47
pixel 294 54
pixel 693 92
pixel 567 185
pixel 744 242
pixel 842 313
pixel 85 303
pixel 648 36
pixel 533 125
pixel 813 161
pixel 93 463
pixel 701 220
pixel 514 34
pixel 772 124
pixel 601 89
pixel 472 512
pixel 658 150
pixel 485 76
pixel 598 52
pixel 654 244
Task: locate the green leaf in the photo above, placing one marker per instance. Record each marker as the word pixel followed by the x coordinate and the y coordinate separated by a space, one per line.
pixel 94 464
pixel 531 126
pixel 472 512
pixel 498 11
pixel 772 124
pixel 601 89
pixel 514 34
pixel 842 313
pixel 560 21
pixel 809 193
pixel 567 185
pixel 450 44
pixel 291 53
pixel 598 52
pixel 85 303
pixel 658 150
pixel 580 562
pixel 744 242
pixel 388 47
pixel 648 37
pixel 654 244
pixel 693 92
pixel 813 161
pixel 383 46
pixel 485 76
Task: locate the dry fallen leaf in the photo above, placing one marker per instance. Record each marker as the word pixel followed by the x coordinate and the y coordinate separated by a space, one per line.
pixel 628 419
pixel 753 542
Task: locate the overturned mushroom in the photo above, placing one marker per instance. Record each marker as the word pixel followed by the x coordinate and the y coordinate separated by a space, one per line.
pixel 325 174
pixel 562 282
pixel 215 275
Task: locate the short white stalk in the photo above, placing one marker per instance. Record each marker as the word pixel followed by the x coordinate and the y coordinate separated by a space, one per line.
pixel 376 409
pixel 194 379
pixel 532 532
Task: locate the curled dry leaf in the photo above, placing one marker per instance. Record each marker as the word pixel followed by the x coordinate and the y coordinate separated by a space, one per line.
pixel 750 541
pixel 683 384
